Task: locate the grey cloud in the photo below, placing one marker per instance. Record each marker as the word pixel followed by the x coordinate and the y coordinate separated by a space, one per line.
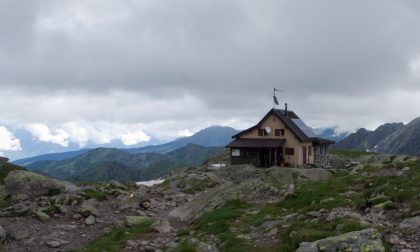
pixel 226 54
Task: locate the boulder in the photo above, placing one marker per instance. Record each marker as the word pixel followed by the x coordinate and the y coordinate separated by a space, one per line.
pixel 133 221
pixel 133 200
pixel 88 207
pixel 162 227
pixel 3 234
pixel 3 192
pixel 42 216
pixel 363 240
pixel 56 243
pixel 117 185
pixel 411 223
pixel 3 160
pixel 21 182
pixel 90 220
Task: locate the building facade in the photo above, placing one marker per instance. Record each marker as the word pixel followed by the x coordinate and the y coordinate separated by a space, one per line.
pixel 281 138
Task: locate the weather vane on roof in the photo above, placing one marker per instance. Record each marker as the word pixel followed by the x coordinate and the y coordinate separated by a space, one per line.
pixel 275 101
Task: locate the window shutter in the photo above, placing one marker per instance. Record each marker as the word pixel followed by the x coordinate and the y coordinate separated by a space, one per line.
pixel 277 132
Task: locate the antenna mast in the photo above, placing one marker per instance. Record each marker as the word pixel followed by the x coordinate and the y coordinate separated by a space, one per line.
pixel 275 101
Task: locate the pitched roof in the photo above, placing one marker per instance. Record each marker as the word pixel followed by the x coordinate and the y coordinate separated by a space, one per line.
pixel 292 122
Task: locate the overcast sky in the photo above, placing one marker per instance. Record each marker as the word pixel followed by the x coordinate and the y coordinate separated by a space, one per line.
pixel 100 70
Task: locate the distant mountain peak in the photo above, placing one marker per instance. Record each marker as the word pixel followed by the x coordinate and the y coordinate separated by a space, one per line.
pixel 392 138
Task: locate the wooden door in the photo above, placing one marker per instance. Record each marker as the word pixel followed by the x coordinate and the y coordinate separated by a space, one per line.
pixel 304 155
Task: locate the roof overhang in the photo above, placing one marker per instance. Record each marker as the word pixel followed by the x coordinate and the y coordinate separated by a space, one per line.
pixel 256 143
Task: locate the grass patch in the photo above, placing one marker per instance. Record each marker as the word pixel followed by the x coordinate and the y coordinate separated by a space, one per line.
pixel 186 246
pixel 350 153
pixel 116 239
pixel 91 193
pixel 51 210
pixel 219 222
pixel 304 231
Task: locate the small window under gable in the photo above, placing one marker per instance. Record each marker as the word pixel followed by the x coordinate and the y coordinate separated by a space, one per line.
pixel 262 132
pixel 279 132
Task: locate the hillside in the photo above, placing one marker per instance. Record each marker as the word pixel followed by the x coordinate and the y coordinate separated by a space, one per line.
pixel 208 137
pixel 108 170
pixel 104 164
pixel 190 155
pixel 373 206
pixel 72 167
pixel 391 138
pixel 51 156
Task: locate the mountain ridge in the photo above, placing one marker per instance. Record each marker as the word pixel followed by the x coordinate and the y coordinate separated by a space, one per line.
pixel 390 138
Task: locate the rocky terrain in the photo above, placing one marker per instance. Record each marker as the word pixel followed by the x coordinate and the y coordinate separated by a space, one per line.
pixel 371 204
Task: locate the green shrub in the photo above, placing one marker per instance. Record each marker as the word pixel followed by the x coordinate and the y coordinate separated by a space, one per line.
pixel 116 239
pixel 53 191
pixel 91 193
pixel 350 153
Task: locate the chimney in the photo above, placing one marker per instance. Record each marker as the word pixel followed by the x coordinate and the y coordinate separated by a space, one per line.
pixel 285 110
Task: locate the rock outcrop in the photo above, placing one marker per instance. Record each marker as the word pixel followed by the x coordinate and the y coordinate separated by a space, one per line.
pixel 21 182
pixel 364 240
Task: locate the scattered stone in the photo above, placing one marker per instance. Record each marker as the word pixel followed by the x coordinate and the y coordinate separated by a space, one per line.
pixel 273 232
pixel 88 208
pixel 204 247
pixel 77 216
pixel 270 224
pixel 289 217
pixel 348 194
pixel 364 240
pixel 56 243
pixel 61 208
pixel 411 223
pixel 145 205
pixel 133 200
pixel 313 214
pixel 327 200
pixel 385 206
pixel 3 234
pixel 21 234
pixel 162 227
pixel 90 220
pixel 133 221
pixel 290 191
pixel 42 216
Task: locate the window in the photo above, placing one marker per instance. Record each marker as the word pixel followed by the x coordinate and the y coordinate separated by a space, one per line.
pixel 236 152
pixel 262 132
pixel 310 150
pixel 290 151
pixel 279 132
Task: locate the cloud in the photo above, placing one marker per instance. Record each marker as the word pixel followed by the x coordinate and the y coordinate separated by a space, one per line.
pixel 134 137
pixel 184 133
pixel 42 133
pixel 96 133
pixel 8 142
pixel 93 70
